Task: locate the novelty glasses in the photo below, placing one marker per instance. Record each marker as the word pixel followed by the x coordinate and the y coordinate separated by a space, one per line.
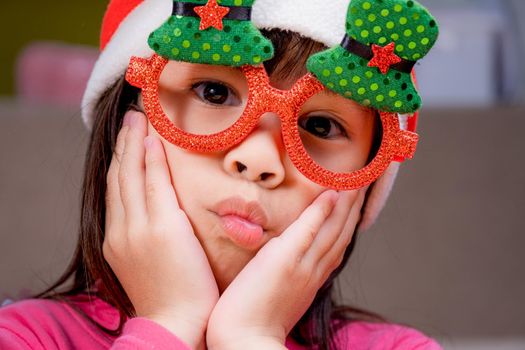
pixel 210 108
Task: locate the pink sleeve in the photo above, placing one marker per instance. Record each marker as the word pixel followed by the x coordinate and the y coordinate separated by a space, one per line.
pixel 380 336
pixel 19 331
pixel 12 340
pixel 141 333
pixel 48 325
pixel 414 340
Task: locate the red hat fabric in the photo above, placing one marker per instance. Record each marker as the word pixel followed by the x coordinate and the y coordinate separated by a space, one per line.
pixel 116 12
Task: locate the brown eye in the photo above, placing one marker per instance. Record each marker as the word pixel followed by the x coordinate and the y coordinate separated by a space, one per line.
pixel 215 93
pixel 322 127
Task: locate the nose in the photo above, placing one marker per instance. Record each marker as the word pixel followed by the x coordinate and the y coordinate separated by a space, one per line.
pixel 259 157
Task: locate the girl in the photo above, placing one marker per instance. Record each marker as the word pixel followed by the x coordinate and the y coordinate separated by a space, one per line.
pixel 233 157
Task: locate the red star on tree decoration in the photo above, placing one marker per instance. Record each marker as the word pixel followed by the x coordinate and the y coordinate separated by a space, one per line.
pixel 211 15
pixel 384 57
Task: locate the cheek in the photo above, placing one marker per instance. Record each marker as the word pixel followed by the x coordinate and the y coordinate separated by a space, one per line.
pixel 189 177
pixel 294 198
pixel 183 167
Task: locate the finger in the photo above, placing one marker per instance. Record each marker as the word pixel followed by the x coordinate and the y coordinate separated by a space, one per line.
pixel 114 207
pixel 115 215
pixel 161 199
pixel 333 258
pixel 131 173
pixel 121 137
pixel 331 228
pixel 298 237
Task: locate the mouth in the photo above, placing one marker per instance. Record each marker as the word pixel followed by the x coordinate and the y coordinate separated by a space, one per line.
pixel 243 222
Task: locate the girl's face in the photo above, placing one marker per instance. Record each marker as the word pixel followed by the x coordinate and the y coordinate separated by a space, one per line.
pixel 254 180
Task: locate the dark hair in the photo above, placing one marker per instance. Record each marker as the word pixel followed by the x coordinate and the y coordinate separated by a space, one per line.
pixel 88 265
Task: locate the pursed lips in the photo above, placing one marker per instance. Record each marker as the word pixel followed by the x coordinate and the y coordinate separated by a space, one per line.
pixel 249 211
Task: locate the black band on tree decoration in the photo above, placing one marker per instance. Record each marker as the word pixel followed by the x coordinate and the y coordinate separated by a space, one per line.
pixel 206 32
pixel 239 13
pixel 353 46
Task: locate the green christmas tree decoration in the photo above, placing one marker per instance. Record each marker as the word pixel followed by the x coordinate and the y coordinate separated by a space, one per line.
pixel 224 41
pixel 372 66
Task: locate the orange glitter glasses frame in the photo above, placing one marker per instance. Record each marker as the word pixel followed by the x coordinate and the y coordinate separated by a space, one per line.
pixel 396 144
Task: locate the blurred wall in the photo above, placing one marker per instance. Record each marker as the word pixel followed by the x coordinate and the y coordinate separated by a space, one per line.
pixel 481 48
pixel 22 22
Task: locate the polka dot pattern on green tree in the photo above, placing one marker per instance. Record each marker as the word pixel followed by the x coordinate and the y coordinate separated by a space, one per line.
pixel 239 43
pixel 406 23
pixel 402 21
pixel 391 92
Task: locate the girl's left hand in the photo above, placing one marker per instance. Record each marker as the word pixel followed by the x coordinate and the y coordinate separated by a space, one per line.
pixel 273 291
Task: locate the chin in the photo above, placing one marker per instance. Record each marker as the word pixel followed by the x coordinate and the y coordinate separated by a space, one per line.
pixel 226 260
pixel 225 257
pixel 225 273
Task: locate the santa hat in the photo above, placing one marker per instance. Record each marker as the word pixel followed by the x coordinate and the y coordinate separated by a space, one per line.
pixel 128 24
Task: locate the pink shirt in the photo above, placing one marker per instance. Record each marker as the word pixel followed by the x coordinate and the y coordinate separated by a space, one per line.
pixel 47 324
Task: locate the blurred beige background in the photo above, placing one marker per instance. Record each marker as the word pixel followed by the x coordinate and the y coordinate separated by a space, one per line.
pixel 446 256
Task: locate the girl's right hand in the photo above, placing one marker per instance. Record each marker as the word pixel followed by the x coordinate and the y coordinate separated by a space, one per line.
pixel 149 242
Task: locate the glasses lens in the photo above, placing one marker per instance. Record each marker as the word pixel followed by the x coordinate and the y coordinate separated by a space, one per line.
pixel 337 133
pixel 202 99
